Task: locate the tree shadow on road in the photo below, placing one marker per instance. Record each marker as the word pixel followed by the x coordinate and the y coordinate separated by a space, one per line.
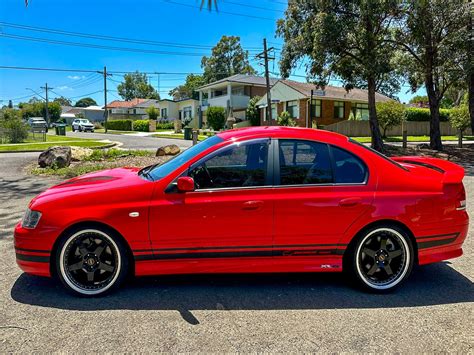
pixel 435 284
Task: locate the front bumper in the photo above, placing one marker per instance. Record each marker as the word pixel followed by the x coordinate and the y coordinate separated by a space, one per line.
pixel 33 256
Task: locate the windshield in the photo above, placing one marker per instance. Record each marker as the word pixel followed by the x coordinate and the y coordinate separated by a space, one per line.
pixel 84 121
pixel 160 171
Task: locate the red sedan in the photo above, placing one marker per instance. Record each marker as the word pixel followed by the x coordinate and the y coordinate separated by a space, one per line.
pixel 268 199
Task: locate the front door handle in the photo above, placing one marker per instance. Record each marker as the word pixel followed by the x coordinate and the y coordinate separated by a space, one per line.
pixel 252 205
pixel 350 201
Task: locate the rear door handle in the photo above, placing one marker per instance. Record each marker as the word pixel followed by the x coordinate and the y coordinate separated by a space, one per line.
pixel 350 201
pixel 252 205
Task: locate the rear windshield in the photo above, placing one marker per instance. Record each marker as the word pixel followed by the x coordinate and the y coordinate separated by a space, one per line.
pixel 383 156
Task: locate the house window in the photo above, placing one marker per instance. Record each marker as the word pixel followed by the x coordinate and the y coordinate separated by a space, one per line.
pixel 362 111
pixel 164 112
pixel 293 109
pixel 339 109
pixel 316 108
pixel 239 90
pixel 217 93
pixel 274 111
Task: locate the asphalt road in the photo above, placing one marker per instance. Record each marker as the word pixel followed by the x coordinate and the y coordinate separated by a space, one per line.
pixel 134 142
pixel 432 312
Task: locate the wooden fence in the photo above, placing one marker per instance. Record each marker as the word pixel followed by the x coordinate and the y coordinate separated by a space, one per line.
pixel 362 129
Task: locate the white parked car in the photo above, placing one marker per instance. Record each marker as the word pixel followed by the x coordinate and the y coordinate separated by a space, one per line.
pixel 82 125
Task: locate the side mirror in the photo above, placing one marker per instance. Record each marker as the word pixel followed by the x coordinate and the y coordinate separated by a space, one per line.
pixel 185 184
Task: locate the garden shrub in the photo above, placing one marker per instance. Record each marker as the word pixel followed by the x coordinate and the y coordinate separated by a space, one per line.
pixel 216 117
pixel 120 125
pixel 390 114
pixel 141 125
pixel 14 130
pixel 459 118
pixel 286 120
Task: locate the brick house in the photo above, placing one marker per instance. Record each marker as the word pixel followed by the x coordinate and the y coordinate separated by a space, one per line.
pixel 331 105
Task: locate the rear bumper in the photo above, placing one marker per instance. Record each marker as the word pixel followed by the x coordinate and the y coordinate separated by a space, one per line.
pixel 32 257
pixel 437 247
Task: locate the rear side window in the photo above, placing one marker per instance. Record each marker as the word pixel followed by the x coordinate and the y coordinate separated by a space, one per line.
pixel 348 169
pixel 304 162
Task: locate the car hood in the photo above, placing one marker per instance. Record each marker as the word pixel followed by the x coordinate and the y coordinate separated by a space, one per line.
pixel 99 184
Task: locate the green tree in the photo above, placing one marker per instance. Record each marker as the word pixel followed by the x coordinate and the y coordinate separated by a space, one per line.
pixel 419 99
pixel 433 35
pixel 347 39
pixel 38 109
pixel 152 112
pixel 85 102
pixel 389 114
pixel 14 130
pixel 285 119
pixel 135 85
pixel 63 101
pixel 188 89
pixel 459 117
pixel 252 113
pixel 215 117
pixel 227 58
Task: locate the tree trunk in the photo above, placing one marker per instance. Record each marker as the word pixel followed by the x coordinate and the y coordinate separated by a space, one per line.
pixel 470 68
pixel 377 142
pixel 471 99
pixel 435 132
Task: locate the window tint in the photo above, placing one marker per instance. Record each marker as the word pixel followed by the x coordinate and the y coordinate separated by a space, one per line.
pixel 339 109
pixel 348 168
pixel 240 165
pixel 304 162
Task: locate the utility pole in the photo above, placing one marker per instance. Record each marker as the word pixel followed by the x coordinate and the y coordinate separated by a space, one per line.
pixel 46 88
pixel 264 54
pixel 106 111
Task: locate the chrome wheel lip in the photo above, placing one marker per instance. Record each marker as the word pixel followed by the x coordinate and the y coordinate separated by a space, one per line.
pixel 65 275
pixel 406 266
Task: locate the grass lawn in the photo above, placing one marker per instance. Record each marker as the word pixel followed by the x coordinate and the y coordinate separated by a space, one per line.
pixel 177 136
pixel 411 139
pixel 51 140
pixel 46 145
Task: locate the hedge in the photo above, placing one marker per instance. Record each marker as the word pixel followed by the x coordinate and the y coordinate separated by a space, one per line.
pixel 141 125
pixel 165 125
pixel 120 125
pixel 423 114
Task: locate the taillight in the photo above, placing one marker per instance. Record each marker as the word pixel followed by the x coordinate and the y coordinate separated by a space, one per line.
pixel 461 200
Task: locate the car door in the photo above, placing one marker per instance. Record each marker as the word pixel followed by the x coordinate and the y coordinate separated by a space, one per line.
pixel 320 191
pixel 226 223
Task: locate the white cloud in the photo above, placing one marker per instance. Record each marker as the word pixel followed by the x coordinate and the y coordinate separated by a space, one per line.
pixel 64 87
pixel 75 77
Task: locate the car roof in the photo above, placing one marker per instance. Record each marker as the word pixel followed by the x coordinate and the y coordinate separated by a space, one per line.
pixel 282 132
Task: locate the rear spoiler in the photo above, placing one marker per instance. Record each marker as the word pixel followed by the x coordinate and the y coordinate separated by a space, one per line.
pixel 452 173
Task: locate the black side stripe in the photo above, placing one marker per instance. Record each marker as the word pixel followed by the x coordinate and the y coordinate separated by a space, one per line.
pixel 435 243
pixel 241 247
pixel 453 235
pixel 238 254
pixel 33 258
pixel 33 250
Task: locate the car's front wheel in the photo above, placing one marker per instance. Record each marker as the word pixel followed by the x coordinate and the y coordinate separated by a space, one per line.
pixel 91 262
pixel 382 258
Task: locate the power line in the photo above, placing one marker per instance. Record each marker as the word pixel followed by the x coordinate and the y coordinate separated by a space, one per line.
pixel 107 37
pixel 97 46
pixel 252 6
pixel 223 12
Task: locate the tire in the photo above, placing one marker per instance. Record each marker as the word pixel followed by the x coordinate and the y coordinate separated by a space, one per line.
pixel 91 261
pixel 381 259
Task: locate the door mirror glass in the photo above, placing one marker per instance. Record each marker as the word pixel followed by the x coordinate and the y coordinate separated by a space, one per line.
pixel 185 184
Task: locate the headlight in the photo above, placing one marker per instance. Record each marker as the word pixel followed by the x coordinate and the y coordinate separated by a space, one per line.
pixel 31 219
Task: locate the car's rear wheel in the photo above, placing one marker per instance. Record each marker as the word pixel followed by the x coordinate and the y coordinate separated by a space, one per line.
pixel 382 258
pixel 91 262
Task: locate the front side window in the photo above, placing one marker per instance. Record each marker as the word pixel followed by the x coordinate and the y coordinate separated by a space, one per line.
pixel 240 165
pixel 304 162
pixel 293 109
pixel 348 169
pixel 362 112
pixel 339 109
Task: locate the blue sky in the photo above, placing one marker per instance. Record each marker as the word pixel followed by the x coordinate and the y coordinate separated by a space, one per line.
pixel 171 21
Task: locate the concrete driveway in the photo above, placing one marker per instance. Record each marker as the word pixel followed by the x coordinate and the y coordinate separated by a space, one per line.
pixel 432 312
pixel 134 142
